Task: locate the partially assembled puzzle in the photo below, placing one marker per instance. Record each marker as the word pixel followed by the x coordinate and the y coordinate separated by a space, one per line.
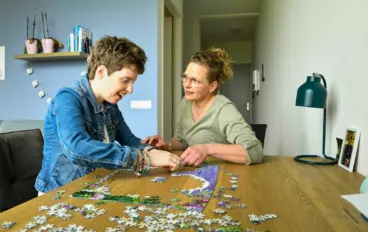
pixel 150 213
pixel 200 195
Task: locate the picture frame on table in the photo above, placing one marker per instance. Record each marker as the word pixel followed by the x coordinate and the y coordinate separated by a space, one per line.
pixel 349 149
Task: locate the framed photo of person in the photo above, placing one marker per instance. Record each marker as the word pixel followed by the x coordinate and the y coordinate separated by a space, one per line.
pixel 349 149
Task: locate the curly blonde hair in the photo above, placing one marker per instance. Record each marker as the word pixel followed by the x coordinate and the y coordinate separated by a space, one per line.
pixel 218 62
pixel 115 53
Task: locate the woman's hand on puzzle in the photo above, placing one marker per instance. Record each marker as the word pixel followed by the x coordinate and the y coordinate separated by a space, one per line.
pixel 194 155
pixel 156 141
pixel 159 158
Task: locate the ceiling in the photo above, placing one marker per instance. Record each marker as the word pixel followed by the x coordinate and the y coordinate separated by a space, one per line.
pixel 224 21
pixel 228 29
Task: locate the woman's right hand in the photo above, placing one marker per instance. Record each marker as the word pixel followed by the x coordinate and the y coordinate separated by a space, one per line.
pixel 159 158
pixel 156 141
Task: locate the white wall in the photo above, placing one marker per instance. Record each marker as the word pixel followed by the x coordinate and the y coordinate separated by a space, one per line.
pixel 295 39
pixel 191 37
pixel 240 51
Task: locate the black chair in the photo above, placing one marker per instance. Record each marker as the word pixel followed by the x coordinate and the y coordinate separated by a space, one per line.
pixel 20 162
pixel 260 131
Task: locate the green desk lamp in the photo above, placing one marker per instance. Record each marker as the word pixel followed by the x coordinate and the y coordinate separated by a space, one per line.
pixel 313 94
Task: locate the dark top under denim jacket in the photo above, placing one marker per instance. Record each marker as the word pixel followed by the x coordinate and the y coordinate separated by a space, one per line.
pixel 73 133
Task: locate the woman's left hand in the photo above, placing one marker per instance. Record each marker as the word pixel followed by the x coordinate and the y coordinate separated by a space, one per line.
pixel 156 141
pixel 194 155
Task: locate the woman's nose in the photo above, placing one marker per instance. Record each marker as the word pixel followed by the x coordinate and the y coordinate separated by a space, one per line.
pixel 130 88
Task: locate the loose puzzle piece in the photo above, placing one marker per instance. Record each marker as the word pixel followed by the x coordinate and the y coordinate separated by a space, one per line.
pixel 219 211
pixel 159 179
pixel 57 197
pixel 234 187
pixel 8 225
pixel 175 200
pixel 241 206
pixel 175 190
pixel 258 219
pixel 225 204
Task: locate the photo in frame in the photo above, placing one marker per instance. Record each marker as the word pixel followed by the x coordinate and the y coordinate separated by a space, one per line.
pixel 349 149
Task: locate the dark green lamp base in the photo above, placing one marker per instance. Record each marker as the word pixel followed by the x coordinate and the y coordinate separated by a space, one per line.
pixel 299 158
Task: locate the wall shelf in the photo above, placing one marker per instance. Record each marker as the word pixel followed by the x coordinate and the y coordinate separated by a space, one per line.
pixel 52 56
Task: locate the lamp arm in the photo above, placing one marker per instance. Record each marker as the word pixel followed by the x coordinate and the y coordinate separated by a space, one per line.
pixel 323 79
pixel 324 116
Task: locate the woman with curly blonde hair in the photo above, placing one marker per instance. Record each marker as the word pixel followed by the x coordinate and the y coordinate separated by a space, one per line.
pixel 209 123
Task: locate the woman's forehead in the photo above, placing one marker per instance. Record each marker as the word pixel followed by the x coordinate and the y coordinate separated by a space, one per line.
pixel 195 70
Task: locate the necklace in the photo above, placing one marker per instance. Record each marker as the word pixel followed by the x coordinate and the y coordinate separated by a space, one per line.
pixel 199 112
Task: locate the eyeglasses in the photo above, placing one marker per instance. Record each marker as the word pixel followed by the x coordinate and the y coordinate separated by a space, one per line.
pixel 193 82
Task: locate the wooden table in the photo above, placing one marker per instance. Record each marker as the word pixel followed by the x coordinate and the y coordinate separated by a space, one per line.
pixel 304 197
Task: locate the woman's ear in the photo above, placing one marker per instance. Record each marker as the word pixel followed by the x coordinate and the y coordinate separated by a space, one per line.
pixel 214 85
pixel 101 71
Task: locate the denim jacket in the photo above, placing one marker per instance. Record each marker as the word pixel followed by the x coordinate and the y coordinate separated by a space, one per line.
pixel 73 133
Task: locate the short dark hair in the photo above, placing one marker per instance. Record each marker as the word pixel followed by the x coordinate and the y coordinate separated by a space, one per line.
pixel 115 53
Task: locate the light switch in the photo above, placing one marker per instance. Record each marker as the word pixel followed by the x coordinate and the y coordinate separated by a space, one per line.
pixel 2 62
pixel 141 104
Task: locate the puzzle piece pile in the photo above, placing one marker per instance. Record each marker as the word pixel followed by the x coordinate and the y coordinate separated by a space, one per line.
pixel 228 199
pixel 62 210
pixel 155 219
pixel 160 219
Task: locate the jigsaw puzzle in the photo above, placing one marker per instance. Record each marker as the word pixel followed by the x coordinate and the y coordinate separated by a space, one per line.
pixel 200 195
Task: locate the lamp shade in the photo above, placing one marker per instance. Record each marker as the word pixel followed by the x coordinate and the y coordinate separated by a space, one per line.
pixel 312 93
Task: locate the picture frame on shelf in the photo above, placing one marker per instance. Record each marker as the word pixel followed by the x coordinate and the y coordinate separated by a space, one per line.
pixel 349 149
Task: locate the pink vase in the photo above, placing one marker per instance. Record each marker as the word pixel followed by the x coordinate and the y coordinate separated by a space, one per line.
pixel 31 46
pixel 47 45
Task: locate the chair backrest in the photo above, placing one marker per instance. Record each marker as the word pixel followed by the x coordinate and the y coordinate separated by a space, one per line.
pixel 17 125
pixel 20 162
pixel 260 131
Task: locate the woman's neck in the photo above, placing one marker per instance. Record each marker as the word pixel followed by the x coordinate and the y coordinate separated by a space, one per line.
pixel 203 103
pixel 95 92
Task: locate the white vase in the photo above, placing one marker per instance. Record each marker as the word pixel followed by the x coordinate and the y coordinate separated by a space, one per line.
pixel 47 45
pixel 31 45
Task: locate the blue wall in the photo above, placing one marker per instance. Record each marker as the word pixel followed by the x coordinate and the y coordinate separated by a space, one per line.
pixel 135 19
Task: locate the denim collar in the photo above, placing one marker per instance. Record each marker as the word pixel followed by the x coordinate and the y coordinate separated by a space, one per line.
pixel 84 83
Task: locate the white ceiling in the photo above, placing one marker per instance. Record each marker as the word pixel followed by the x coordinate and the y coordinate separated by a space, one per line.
pixel 228 29
pixel 224 20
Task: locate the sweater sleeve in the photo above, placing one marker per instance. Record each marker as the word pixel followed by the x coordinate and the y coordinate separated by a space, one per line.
pixel 233 126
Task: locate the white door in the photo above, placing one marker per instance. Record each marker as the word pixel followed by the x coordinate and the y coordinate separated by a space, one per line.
pixel 239 89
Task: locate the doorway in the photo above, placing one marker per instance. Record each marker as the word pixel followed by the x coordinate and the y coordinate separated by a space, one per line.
pixel 239 89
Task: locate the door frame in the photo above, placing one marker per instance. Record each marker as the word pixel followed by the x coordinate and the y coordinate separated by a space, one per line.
pixel 177 52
